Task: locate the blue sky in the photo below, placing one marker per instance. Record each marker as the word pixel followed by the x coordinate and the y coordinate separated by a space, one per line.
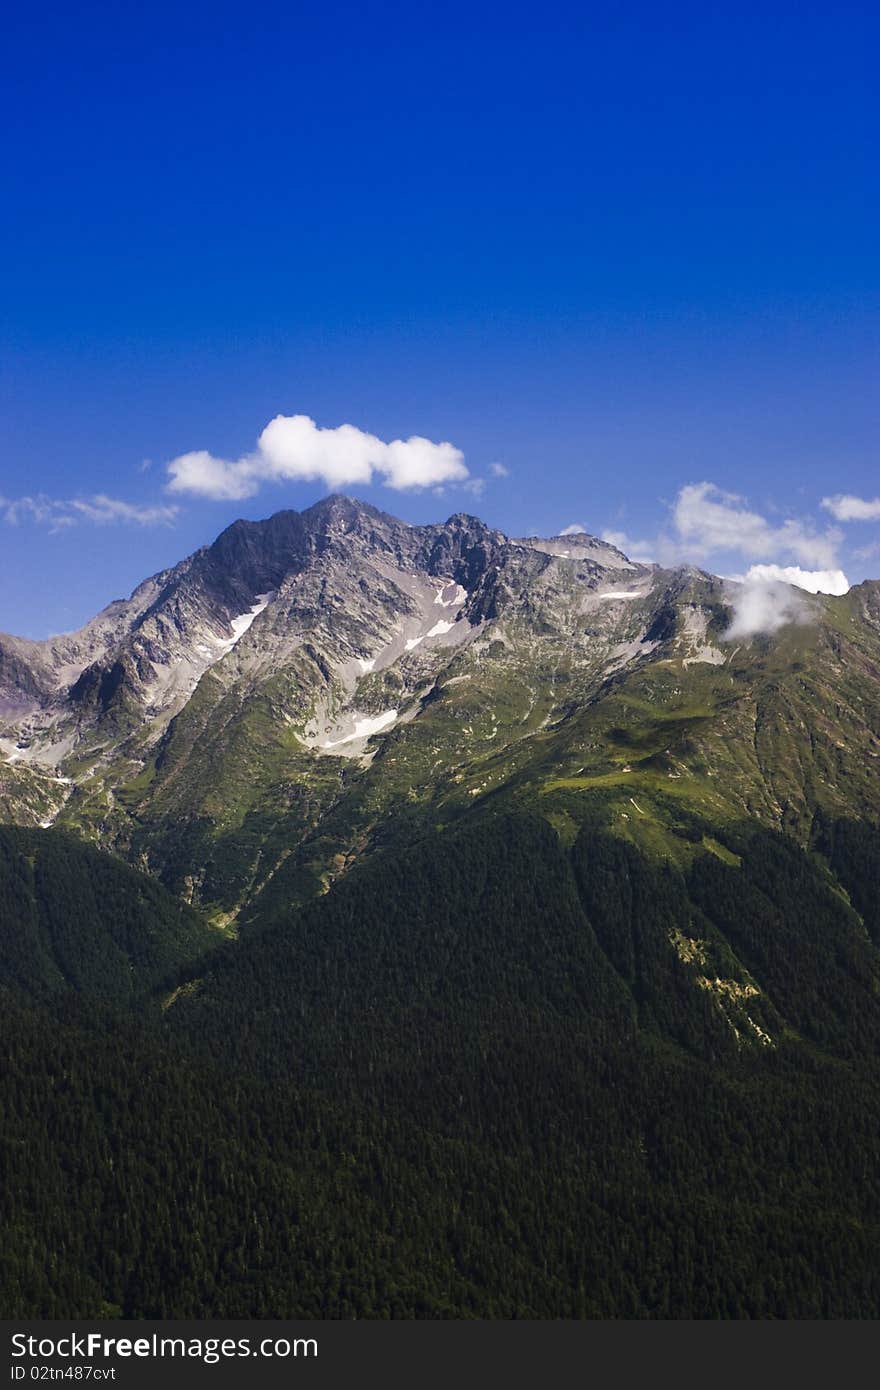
pixel 625 254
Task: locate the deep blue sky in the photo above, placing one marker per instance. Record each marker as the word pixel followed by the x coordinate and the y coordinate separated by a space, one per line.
pixel 618 249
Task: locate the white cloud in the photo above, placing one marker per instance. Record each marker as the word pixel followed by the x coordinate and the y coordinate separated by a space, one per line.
pixel 60 513
pixel 201 473
pixel 707 519
pixel 575 529
pixel 294 448
pixel 868 552
pixel 767 598
pixel 845 507
pixel 105 510
pixel 18 509
pixel 761 606
pixel 476 486
pixel 642 552
pixel 498 470
pixel 814 581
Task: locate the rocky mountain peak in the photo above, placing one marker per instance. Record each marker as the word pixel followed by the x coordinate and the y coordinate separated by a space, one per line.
pixel 338 511
pixel 276 666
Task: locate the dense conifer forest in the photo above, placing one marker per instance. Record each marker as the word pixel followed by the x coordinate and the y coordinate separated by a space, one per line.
pixel 489 1076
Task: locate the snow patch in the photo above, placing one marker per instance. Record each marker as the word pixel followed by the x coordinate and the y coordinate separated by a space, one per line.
pixel 436 631
pixel 620 594
pixel 365 728
pixel 241 624
pixel 455 595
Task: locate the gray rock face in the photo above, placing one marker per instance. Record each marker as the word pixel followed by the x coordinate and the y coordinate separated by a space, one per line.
pixel 250 678
pixel 349 587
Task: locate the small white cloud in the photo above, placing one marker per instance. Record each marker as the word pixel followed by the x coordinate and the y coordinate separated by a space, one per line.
pixel 60 513
pixel 642 552
pixel 845 507
pixel 476 486
pixel 201 473
pixel 868 552
pixel 708 519
pixel 575 529
pixel 294 448
pixel 40 509
pixel 814 581
pixel 105 510
pixel 498 470
pixel 771 596
pixel 761 606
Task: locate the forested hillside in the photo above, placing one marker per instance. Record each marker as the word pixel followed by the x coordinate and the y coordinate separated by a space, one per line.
pixel 489 1077
pixel 72 917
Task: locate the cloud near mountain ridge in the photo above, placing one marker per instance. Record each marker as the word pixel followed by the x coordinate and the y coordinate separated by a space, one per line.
pixel 293 448
pixel 708 521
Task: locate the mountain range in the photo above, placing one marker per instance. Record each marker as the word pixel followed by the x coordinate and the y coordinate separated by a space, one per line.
pixel 312 686
pixel 447 925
